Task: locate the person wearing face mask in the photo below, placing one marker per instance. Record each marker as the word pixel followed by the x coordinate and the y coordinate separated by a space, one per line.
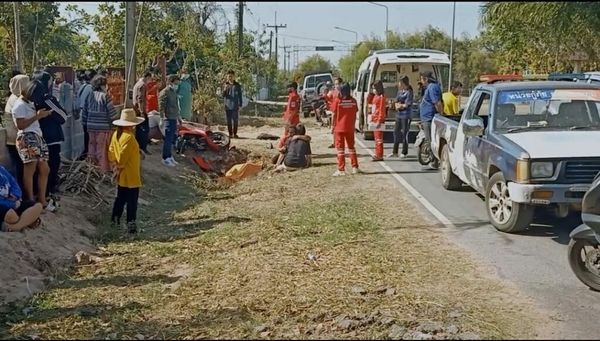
pixel 232 94
pixel 17 85
pixel 100 112
pixel 168 106
pixel 139 106
pixel 51 126
pixel 185 95
pixel 292 112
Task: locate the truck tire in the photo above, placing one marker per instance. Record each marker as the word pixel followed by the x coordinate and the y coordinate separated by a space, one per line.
pixel 449 180
pixel 506 215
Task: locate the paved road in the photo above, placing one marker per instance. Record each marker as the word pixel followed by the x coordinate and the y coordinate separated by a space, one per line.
pixel 535 261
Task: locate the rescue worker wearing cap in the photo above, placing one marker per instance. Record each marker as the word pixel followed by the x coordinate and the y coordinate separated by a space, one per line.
pixel 378 110
pixel 345 116
pixel 292 111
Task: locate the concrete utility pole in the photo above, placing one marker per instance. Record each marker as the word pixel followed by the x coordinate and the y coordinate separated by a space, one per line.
pixel 452 45
pixel 130 63
pixel 240 27
pixel 276 27
pixel 18 46
pixel 271 46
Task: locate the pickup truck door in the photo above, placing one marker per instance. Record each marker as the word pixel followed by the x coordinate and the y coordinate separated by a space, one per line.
pixel 472 150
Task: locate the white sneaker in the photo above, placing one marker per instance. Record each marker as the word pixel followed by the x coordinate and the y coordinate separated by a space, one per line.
pixel 356 171
pixel 393 156
pixel 168 163
pixel 339 173
pixel 403 156
pixel 173 161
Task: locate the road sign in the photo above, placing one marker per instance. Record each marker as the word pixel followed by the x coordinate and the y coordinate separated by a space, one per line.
pixel 323 48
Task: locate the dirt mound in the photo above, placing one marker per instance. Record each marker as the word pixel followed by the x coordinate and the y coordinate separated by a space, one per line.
pixel 30 258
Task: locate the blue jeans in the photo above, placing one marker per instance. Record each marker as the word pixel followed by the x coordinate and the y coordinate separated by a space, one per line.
pixel 401 134
pixel 170 135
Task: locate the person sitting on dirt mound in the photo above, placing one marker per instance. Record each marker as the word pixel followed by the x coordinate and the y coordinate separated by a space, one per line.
pixel 16 214
pixel 297 153
pixel 291 129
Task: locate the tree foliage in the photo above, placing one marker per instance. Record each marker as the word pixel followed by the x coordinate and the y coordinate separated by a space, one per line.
pixel 541 37
pixel 314 63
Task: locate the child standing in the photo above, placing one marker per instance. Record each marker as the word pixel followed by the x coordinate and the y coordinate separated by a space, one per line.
pixel 291 117
pixel 345 115
pixel 124 154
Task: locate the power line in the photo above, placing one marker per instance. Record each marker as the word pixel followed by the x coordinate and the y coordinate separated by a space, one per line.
pixel 314 39
pixel 276 27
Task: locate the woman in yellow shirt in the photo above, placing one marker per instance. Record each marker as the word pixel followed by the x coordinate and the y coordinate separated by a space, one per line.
pixel 124 155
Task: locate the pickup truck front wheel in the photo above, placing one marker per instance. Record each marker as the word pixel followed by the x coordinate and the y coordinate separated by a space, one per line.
pixel 449 180
pixel 506 215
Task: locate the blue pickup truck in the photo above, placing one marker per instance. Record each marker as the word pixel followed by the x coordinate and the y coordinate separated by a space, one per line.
pixel 523 145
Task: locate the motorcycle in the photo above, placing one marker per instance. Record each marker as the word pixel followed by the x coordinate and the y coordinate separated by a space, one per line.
pixel 199 138
pixel 584 247
pixel 424 154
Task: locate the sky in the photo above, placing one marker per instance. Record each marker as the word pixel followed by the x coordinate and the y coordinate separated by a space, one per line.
pixel 312 23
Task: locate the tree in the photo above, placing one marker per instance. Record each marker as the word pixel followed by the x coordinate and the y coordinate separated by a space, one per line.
pixel 540 37
pixel 315 63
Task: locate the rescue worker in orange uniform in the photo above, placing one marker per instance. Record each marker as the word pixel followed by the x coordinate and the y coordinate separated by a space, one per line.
pixel 335 95
pixel 345 117
pixel 378 118
pixel 292 112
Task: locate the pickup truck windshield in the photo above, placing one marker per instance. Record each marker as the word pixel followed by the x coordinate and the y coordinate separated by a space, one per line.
pixel 547 109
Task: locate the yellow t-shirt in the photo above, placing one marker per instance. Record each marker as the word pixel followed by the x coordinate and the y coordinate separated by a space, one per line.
pixel 451 106
pixel 124 152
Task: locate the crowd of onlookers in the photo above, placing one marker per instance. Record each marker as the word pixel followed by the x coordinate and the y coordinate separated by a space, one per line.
pixel 35 115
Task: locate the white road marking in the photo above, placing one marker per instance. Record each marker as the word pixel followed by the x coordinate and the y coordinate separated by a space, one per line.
pixel 429 206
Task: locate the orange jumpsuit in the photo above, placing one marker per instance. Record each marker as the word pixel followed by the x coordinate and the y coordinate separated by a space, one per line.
pixel 378 117
pixel 291 115
pixel 345 118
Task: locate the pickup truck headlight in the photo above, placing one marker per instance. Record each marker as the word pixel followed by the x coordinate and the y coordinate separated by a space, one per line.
pixel 542 169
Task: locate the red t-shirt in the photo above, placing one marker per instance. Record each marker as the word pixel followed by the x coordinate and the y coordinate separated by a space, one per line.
pixel 345 115
pixel 152 96
pixel 379 109
pixel 292 109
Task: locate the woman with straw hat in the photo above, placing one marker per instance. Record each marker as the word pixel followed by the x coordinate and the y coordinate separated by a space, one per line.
pixel 124 155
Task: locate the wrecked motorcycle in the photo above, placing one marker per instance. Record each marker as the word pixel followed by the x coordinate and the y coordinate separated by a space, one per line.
pixel 199 137
pixel 424 154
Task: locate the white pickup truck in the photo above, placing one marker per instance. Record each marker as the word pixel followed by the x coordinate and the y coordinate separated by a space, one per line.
pixel 523 145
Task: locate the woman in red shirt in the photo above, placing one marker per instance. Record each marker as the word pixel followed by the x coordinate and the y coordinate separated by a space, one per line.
pixel 378 118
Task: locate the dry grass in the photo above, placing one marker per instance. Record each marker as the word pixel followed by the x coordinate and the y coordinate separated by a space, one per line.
pixel 292 254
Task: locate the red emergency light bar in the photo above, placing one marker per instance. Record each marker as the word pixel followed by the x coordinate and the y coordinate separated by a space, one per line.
pixel 499 78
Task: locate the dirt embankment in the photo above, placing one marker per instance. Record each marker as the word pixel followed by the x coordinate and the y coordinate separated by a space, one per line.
pixel 298 255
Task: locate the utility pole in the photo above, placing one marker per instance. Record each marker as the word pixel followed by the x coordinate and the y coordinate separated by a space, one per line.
pixel 271 46
pixel 130 64
pixel 18 46
pixel 452 45
pixel 276 27
pixel 240 27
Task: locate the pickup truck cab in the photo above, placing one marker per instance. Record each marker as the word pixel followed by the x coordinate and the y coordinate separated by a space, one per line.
pixel 310 91
pixel 522 145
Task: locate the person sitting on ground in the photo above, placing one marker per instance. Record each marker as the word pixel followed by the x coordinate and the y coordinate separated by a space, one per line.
pixel 297 152
pixel 291 132
pixel 16 213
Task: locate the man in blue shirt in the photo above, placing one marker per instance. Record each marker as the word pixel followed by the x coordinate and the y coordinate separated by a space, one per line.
pixel 431 103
